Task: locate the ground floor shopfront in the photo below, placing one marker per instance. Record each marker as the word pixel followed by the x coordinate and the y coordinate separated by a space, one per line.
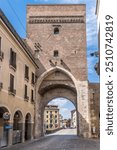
pixel 15 128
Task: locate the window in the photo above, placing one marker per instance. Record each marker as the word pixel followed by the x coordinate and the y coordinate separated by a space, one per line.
pixel 55 121
pixel 25 93
pixel 11 87
pixel 47 112
pixel 1 53
pixel 51 125
pixel 0 44
pixel 47 116
pixel 56 30
pixel 51 115
pixel 56 53
pixel 33 78
pixel 32 96
pixel 26 72
pixel 12 59
pixel 55 116
pixel 55 111
pixel 50 121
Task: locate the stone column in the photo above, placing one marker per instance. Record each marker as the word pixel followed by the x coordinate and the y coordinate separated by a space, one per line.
pixel 83 109
pixel 32 127
pixel 23 132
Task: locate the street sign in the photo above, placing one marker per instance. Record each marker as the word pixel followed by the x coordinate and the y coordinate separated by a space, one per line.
pixel 6 116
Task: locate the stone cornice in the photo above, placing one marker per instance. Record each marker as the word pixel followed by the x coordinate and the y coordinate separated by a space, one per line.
pixel 55 19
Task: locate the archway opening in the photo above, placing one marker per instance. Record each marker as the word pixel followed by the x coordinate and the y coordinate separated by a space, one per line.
pixel 17 127
pixel 60 117
pixel 3 126
pixel 28 127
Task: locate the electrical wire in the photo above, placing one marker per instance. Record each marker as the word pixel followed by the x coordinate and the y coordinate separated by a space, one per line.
pixel 16 15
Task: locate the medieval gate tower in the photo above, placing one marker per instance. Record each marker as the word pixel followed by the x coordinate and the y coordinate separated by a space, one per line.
pixel 58 34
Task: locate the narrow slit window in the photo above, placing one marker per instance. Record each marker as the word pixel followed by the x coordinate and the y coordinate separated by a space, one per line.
pixel 56 30
pixel 56 53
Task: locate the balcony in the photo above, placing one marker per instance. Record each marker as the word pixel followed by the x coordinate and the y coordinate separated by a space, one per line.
pixel 26 98
pixel 1 55
pixel 32 82
pixel 1 85
pixel 26 77
pixel 12 91
pixel 32 101
pixel 12 65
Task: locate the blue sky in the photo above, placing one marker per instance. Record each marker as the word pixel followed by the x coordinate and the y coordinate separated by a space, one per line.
pixel 15 10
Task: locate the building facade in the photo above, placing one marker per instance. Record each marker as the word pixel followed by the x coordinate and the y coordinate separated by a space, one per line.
pixel 73 119
pixel 17 82
pixel 60 120
pixel 94 94
pixel 51 118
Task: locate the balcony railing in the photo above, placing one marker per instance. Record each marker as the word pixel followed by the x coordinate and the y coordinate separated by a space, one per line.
pixel 12 65
pixel 1 85
pixel 1 55
pixel 26 77
pixel 26 98
pixel 12 91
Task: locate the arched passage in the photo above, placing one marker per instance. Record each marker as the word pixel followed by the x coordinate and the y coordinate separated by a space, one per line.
pixel 3 126
pixel 55 83
pixel 28 126
pixel 58 116
pixel 17 127
pixel 58 82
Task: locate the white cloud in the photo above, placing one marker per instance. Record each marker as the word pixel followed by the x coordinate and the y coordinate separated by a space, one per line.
pixel 59 101
pixel 91 25
pixel 65 112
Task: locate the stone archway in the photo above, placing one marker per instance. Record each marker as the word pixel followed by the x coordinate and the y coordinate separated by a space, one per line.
pixel 17 127
pixel 58 82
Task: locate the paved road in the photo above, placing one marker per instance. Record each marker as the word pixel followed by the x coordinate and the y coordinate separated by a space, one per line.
pixel 62 140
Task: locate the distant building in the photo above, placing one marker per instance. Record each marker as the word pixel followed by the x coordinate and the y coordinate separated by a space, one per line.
pixel 51 118
pixel 60 121
pixel 73 119
pixel 65 123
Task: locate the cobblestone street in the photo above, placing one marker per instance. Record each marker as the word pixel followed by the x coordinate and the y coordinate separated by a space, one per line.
pixel 65 139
